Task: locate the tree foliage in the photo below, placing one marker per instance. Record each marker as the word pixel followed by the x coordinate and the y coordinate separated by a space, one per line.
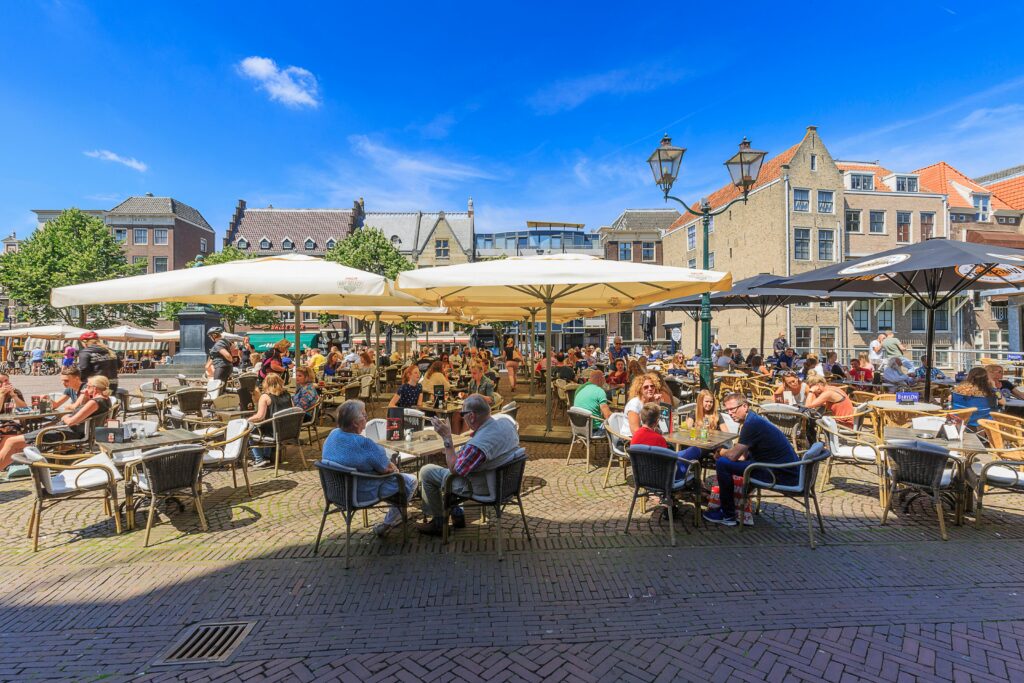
pixel 230 315
pixel 72 249
pixel 370 250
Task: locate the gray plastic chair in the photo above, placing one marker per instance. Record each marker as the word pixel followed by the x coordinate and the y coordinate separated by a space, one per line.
pixel 581 422
pixel 656 470
pixel 762 477
pixel 167 472
pixel 287 425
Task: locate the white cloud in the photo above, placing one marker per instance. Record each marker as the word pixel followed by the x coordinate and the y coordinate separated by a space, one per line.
pixel 988 117
pixel 107 155
pixel 292 86
pixel 411 166
pixel 570 93
pixel 437 128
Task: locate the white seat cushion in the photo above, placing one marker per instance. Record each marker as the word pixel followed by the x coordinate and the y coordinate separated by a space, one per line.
pixel 947 477
pixel 855 453
pixel 206 431
pixel 141 480
pixel 81 478
pixel 215 456
pixel 1000 475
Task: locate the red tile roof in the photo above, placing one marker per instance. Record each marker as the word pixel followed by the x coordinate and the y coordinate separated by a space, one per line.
pixel 944 179
pixel 770 171
pixel 1010 240
pixel 874 169
pixel 1010 190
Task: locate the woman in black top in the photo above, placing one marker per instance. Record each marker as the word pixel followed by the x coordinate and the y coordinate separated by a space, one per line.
pixel 273 399
pixel 220 362
pixel 512 360
pixel 93 400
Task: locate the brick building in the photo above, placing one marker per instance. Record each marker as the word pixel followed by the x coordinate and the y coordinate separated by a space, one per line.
pixel 635 235
pixel 270 231
pixel 161 232
pixel 437 238
pixel 808 210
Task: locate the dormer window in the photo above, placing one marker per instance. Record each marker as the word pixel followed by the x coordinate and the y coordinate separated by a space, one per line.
pixel 982 202
pixel 862 181
pixel 242 243
pixel 287 243
pixel 906 183
pixel 331 243
pixel 310 244
pixel 265 244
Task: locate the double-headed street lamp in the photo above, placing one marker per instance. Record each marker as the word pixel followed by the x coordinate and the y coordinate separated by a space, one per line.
pixel 744 167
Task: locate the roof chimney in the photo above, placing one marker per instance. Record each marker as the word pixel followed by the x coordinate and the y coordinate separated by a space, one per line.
pixel 149 194
pixel 470 206
pixel 812 129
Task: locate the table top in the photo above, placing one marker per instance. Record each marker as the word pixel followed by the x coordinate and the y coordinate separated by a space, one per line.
pixel 423 443
pixel 893 405
pixel 447 409
pixel 730 373
pixel 169 437
pixel 33 415
pixel 715 439
pixel 970 443
pixel 233 413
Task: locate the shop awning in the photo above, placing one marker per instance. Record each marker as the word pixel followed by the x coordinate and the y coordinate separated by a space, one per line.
pixel 264 341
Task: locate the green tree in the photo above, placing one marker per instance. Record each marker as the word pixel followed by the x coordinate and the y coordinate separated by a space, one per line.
pixel 230 315
pixel 72 249
pixel 370 250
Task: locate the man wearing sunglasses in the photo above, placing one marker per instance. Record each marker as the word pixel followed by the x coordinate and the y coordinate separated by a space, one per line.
pixel 760 441
pixel 494 442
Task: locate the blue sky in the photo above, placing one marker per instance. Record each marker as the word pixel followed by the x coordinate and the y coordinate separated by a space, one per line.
pixel 539 111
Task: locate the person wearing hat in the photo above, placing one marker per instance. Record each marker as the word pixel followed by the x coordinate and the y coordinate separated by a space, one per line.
pixel 221 360
pixel 96 359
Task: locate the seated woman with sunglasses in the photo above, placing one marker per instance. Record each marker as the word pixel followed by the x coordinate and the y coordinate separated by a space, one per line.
pixel 821 394
pixel 647 388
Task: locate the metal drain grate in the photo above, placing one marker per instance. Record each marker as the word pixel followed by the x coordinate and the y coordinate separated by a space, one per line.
pixel 203 643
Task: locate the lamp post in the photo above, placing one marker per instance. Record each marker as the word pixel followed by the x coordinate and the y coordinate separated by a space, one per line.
pixel 744 167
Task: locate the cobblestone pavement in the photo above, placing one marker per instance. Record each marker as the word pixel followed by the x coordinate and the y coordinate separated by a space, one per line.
pixel 586 601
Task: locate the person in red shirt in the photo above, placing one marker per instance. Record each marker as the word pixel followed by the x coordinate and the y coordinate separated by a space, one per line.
pixel 648 434
pixel 861 369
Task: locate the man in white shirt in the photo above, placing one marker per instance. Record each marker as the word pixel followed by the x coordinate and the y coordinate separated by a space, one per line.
pixel 875 354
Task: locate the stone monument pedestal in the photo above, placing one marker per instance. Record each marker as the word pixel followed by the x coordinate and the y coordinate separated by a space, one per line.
pixel 194 345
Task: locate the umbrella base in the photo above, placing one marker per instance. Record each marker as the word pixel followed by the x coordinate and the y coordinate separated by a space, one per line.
pixel 537 434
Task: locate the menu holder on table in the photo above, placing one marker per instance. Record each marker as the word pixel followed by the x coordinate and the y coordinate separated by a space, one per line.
pixel 438 396
pixel 395 423
pixel 906 398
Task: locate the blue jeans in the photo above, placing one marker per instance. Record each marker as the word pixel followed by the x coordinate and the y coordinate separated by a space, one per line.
pixel 692 454
pixel 261 454
pixel 725 469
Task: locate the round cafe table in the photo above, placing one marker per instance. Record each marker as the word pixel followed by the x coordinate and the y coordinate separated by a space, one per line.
pixel 895 405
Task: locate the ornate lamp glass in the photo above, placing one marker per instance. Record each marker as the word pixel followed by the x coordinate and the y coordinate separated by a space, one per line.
pixel 665 162
pixel 745 166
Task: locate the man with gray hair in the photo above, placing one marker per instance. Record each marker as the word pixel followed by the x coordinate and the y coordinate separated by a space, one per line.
pixel 494 443
pixel 347 446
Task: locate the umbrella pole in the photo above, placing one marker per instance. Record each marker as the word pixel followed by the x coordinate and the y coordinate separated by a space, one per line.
pixel 298 331
pixel 405 338
pixel 762 317
pixel 547 375
pixel 533 340
pixel 929 342
pixel 376 325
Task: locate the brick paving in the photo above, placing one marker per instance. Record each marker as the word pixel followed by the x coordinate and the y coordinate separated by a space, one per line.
pixel 587 601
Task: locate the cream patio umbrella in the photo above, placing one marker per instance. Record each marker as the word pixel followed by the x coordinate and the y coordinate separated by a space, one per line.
pixel 566 280
pixel 289 279
pixel 125 333
pixel 60 331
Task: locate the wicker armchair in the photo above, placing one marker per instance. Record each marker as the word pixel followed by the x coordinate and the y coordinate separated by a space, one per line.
pixel 340 485
pixel 581 422
pixel 188 408
pixel 851 448
pixel 511 409
pixel 228 448
pixel 311 421
pixel 792 422
pixel 247 382
pixel 504 485
pixel 56 437
pixel 287 425
pixel 1009 420
pixel 616 428
pixel 762 477
pixel 53 482
pixel 352 390
pixel 923 468
pixel 167 472
pixel 655 471
pixel 1001 469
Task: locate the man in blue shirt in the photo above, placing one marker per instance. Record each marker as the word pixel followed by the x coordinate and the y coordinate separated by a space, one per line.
pixel 617 351
pixel 37 360
pixel 347 446
pixel 787 360
pixel 760 441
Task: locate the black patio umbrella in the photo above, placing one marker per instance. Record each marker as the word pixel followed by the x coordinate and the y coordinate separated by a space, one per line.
pixel 930 272
pixel 762 294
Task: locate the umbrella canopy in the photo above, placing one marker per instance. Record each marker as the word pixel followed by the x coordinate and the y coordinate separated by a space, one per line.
pixel 763 295
pixel 125 333
pixel 169 335
pixel 930 272
pixel 569 280
pixel 291 279
pixel 46 332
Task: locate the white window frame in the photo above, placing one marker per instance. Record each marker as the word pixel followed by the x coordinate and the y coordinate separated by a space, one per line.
pixel 983 205
pixel 711 260
pixel 309 244
pixel 890 309
pixel 143 232
pixel 831 201
pixel 808 200
pixel 287 244
pixel 860 178
pixel 692 264
pixel 691 237
pixel 625 251
pixel 202 245
pixel 821 337
pixel 832 233
pixel 797 231
pixel 166 236
pixel 846 221
pixel 860 309
pixel 871 223
pixel 167 264
pixel 814 162
pixel 938 324
pixel 242 243
pixel 644 246
pixel 266 244
pixel 124 239
pixel 916 309
pixel 910 227
pixel 907 181
pixel 141 259
pixel 796 338
pixel 920 219
pixel 330 243
pixel 442 249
